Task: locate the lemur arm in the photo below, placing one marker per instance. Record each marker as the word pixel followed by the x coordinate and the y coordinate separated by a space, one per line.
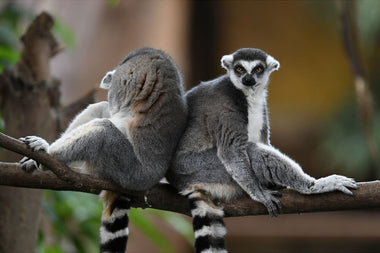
pixel 93 111
pixel 232 151
pixel 272 166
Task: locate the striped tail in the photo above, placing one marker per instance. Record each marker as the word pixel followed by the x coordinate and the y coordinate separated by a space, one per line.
pixel 209 228
pixel 114 225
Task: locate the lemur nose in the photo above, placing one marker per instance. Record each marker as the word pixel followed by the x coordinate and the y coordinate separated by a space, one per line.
pixel 249 80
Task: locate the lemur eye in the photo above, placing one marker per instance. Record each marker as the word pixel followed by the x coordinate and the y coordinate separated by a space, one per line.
pixel 239 68
pixel 259 69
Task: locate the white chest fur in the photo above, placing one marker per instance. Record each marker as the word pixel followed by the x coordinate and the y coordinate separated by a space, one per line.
pixel 255 116
pixel 121 121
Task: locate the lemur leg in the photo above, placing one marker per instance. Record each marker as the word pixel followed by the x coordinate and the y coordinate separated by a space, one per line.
pixel 208 225
pixel 240 170
pixel 93 111
pixel 114 224
pixel 272 166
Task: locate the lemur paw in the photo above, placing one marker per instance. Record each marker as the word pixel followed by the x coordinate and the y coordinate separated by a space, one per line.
pixel 35 143
pixel 269 199
pixel 27 164
pixel 334 183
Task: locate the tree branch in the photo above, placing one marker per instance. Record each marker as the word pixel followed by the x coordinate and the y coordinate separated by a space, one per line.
pixel 164 196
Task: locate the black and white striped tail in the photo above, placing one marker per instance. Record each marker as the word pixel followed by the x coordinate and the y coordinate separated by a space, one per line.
pixel 114 226
pixel 209 228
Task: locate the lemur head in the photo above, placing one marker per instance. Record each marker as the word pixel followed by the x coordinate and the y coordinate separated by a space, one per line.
pixel 249 68
pixel 135 82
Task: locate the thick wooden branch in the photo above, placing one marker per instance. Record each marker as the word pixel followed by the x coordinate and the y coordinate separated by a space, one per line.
pixel 164 196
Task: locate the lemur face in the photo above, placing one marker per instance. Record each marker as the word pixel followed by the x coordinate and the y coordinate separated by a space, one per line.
pixel 249 68
pixel 249 73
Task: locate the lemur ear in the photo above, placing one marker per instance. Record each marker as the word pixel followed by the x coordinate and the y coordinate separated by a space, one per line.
pixel 107 80
pixel 272 63
pixel 226 61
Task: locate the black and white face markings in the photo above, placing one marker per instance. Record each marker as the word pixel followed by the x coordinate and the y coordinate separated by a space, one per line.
pixel 249 72
pixel 249 68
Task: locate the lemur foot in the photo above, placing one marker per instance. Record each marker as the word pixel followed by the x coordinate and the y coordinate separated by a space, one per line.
pixel 334 183
pixel 35 143
pixel 269 199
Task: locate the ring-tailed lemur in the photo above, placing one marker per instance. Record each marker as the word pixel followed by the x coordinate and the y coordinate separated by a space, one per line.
pixel 130 139
pixel 225 150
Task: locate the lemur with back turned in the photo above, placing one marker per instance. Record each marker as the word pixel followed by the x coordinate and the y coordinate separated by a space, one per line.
pixel 129 140
pixel 225 151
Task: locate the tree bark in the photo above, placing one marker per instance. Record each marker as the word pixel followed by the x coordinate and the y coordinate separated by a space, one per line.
pixel 164 196
pixel 27 97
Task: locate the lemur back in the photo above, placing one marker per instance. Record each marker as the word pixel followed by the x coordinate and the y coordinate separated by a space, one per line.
pixel 129 140
pixel 225 151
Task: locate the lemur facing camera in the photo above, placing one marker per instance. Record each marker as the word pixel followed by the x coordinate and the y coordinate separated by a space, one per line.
pixel 129 140
pixel 225 150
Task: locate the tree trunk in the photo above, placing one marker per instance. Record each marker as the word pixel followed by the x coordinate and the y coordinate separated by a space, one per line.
pixel 28 98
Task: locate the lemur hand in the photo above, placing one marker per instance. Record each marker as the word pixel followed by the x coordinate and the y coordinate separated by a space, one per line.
pixel 34 143
pixel 269 199
pixel 334 183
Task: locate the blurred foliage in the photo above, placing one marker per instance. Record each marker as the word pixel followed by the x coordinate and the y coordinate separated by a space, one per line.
pixel 13 21
pixel 12 17
pixel 368 20
pixel 64 32
pixel 344 145
pixel 71 222
pixel 113 2
pixel 144 221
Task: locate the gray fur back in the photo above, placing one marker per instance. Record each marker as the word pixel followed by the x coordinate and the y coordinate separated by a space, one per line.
pixel 196 160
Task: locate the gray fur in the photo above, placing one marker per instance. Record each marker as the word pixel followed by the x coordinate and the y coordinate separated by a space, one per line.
pixel 216 148
pixel 131 138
